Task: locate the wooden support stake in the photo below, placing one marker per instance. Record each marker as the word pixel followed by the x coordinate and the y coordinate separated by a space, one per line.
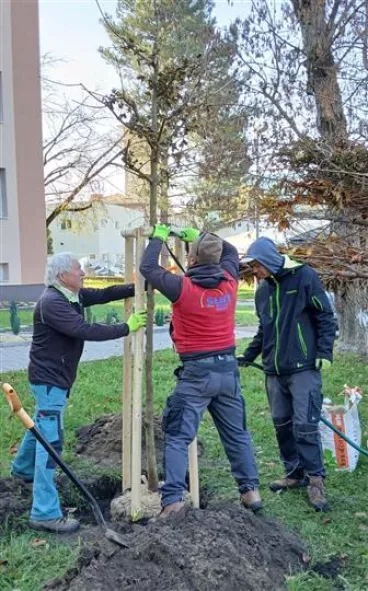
pixel 193 448
pixel 127 364
pixel 137 384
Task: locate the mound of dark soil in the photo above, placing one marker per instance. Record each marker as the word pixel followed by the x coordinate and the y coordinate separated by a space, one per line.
pixel 223 547
pixel 15 499
pixel 101 442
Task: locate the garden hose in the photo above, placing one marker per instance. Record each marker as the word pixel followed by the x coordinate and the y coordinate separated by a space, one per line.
pixel 326 422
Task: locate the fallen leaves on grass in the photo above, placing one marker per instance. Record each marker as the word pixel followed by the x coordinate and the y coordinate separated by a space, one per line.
pixel 38 542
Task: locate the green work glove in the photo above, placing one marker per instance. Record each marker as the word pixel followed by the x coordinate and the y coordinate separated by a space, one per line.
pixel 137 320
pixel 323 363
pixel 161 231
pixel 189 234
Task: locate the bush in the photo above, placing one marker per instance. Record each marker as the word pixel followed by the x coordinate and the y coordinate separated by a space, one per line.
pixel 14 318
pixel 159 317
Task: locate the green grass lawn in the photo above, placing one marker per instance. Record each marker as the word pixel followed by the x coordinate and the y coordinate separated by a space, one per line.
pixel 342 532
pixel 244 316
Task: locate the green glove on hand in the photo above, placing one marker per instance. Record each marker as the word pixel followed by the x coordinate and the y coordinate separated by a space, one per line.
pixel 189 234
pixel 161 231
pixel 323 364
pixel 137 320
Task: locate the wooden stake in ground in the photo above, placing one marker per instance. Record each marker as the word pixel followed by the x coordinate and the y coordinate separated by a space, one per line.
pixel 137 384
pixel 193 448
pixel 127 365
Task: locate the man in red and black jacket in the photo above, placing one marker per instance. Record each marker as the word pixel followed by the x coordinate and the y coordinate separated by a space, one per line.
pixel 203 322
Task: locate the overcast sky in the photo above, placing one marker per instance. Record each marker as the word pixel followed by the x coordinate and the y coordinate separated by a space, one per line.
pixel 70 30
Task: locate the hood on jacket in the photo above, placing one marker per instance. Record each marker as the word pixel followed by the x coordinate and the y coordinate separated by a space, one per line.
pixel 208 276
pixel 264 251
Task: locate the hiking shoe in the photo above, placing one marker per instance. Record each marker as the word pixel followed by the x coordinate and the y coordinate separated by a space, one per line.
pixel 287 484
pixel 316 493
pixel 252 500
pixel 57 526
pixel 172 509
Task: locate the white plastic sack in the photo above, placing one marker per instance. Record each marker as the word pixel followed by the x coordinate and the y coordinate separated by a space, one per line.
pixel 345 418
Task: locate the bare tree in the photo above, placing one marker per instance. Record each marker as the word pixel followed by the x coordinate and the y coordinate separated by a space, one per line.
pixel 304 78
pixel 80 149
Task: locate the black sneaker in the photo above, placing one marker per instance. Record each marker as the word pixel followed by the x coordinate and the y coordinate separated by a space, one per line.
pixel 57 526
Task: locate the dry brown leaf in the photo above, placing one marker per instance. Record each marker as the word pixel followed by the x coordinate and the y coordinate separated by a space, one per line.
pixel 13 448
pixel 4 562
pixel 37 542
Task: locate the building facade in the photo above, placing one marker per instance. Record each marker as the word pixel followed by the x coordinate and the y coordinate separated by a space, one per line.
pixel 95 236
pixel 22 202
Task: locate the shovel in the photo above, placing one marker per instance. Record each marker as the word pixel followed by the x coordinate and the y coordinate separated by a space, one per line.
pixel 16 406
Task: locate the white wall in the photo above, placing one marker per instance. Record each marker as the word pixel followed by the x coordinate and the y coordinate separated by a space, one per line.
pixel 9 226
pixel 99 237
pixel 116 220
pixel 243 233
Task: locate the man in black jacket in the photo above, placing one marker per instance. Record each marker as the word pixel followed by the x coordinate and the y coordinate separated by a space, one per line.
pixel 295 336
pixel 59 332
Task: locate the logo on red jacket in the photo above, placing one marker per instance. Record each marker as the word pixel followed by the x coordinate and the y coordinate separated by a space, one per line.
pixel 215 298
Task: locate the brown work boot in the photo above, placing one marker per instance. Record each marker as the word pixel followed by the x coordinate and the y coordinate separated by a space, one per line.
pixel 172 509
pixel 287 483
pixel 316 493
pixel 252 500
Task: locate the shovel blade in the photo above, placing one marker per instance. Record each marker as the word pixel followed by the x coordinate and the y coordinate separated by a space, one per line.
pixel 115 537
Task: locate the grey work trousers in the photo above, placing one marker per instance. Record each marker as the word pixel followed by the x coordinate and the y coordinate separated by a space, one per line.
pixel 296 402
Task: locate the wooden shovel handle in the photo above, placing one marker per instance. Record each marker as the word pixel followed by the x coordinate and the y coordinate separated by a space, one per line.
pixel 16 406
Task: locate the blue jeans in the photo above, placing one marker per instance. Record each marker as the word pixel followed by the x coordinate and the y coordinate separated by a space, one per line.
pixel 33 461
pixel 211 383
pixel 296 402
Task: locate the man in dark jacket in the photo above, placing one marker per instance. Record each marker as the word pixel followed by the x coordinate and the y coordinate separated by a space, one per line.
pixel 295 336
pixel 203 313
pixel 59 332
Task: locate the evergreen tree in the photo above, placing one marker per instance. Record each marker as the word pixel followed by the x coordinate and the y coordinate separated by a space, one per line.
pixel 167 56
pixel 14 318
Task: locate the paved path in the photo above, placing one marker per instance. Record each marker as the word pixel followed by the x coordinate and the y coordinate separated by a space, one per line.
pixel 14 356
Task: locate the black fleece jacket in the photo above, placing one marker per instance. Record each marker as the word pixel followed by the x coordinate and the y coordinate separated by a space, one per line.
pixel 59 332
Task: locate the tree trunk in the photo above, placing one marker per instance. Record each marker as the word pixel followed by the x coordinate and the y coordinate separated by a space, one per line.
pixel 164 206
pixel 352 312
pixel 317 36
pixel 149 416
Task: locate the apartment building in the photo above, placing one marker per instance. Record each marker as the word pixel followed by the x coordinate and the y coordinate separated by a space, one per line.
pixel 22 203
pixel 95 236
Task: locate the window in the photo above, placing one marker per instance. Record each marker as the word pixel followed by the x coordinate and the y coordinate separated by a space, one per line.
pixel 66 224
pixel 3 199
pixel 4 271
pixel 1 98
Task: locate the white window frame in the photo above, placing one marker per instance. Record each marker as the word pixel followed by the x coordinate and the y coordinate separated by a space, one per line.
pixel 4 276
pixel 3 195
